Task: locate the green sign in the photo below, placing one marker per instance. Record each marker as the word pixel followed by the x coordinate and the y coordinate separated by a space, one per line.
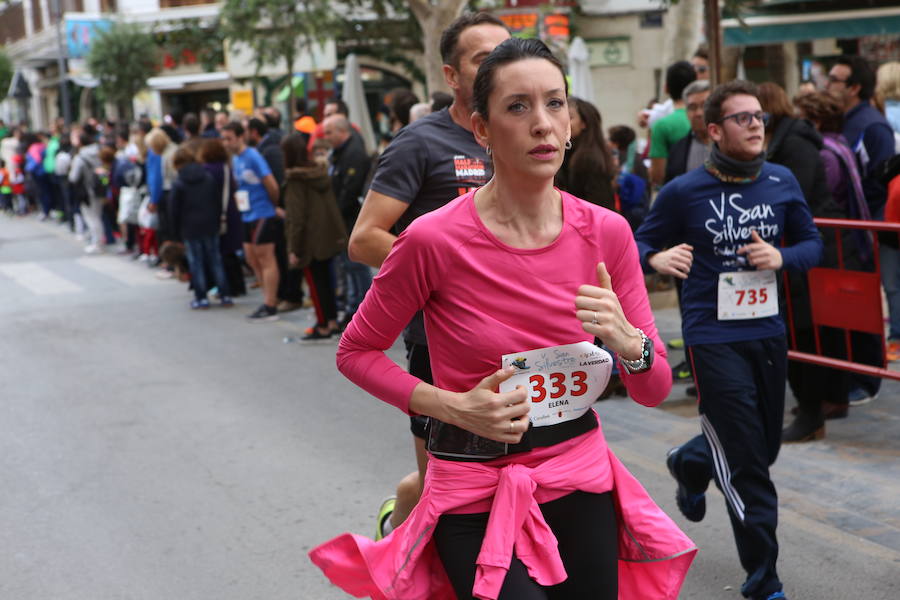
pixel 610 52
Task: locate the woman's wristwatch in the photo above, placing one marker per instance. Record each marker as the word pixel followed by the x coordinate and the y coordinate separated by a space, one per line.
pixel 645 361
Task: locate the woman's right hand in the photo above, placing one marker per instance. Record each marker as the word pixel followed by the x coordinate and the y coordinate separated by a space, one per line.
pixel 502 417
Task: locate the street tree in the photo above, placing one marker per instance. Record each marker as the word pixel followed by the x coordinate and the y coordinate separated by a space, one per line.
pixel 122 58
pixel 6 74
pixel 433 18
pixel 390 35
pixel 277 30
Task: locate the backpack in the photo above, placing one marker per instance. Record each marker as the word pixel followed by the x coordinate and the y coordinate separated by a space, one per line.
pixel 63 162
pixel 95 180
pixel 99 184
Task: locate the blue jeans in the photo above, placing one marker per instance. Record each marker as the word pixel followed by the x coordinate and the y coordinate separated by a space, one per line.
pixel 45 192
pixel 890 279
pixel 358 278
pixel 203 256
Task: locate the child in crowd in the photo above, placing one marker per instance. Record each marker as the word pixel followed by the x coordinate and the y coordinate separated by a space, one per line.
pixel 196 212
pixel 5 188
pixel 17 184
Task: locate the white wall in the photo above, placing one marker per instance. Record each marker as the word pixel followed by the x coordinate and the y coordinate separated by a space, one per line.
pixel 137 6
pixel 621 91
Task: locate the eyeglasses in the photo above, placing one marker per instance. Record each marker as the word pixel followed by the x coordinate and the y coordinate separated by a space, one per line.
pixel 701 68
pixel 833 79
pixel 744 119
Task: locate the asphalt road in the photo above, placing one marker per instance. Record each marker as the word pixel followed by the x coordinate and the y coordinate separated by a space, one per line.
pixel 151 452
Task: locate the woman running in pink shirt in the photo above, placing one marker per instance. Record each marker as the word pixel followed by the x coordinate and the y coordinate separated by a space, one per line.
pixel 523 499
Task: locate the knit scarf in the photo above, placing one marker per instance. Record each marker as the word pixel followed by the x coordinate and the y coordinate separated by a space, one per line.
pixel 730 170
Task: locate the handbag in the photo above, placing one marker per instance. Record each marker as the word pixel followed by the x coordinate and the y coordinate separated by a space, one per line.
pixel 147 219
pixel 226 185
pixel 129 205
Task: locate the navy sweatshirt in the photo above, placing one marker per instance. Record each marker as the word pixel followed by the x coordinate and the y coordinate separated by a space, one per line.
pixel 196 204
pixel 716 218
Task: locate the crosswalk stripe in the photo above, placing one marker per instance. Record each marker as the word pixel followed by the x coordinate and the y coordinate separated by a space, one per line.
pixel 118 269
pixel 38 279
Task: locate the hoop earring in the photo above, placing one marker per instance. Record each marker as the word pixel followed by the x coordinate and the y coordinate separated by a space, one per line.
pixel 568 144
pixel 487 150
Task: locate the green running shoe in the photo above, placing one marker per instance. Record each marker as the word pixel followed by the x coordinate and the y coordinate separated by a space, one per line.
pixel 384 513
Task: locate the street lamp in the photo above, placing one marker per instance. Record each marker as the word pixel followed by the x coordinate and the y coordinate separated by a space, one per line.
pixel 61 64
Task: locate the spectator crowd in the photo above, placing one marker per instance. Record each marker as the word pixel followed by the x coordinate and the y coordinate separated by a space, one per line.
pixel 222 201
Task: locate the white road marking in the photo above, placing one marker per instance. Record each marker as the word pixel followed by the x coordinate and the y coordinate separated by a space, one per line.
pixel 38 279
pixel 118 269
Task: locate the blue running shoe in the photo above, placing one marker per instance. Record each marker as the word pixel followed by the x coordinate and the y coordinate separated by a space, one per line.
pixel 692 506
pixel 779 595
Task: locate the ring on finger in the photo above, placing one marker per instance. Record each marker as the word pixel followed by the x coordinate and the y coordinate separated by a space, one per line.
pixel 512 426
pixel 595 319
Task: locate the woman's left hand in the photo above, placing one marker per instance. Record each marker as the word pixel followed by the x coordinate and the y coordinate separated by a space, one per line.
pixel 601 315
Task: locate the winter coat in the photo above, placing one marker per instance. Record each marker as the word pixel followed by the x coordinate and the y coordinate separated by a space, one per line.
pixel 797 145
pixel 270 148
pixel 349 169
pixel 313 224
pixel 81 173
pixel 233 239
pixel 196 207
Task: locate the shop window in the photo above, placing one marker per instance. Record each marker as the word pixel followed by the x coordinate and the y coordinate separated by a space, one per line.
pixel 37 18
pixel 177 3
pixel 108 6
pixel 64 6
pixel 12 23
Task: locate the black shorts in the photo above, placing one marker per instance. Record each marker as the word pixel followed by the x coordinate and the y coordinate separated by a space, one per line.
pixel 262 231
pixel 419 366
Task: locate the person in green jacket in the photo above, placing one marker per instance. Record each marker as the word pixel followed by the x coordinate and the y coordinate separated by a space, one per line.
pixel 50 170
pixel 314 229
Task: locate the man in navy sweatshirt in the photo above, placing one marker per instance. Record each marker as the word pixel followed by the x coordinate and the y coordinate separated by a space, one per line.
pixel 727 220
pixel 870 136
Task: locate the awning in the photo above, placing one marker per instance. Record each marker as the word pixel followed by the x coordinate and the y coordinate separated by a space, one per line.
pixel 776 29
pixel 299 89
pixel 84 81
pixel 176 82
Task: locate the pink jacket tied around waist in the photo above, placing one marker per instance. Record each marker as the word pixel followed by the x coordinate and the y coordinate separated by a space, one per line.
pixel 654 555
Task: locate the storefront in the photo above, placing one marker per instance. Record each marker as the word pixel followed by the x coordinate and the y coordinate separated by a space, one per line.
pixel 790 41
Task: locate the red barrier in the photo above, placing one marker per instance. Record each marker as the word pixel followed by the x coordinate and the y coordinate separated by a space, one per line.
pixel 844 299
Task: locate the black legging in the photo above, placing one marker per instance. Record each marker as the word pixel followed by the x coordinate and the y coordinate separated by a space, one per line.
pixel 584 525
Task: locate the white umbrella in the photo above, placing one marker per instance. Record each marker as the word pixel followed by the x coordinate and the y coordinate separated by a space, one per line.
pixel 355 98
pixel 580 70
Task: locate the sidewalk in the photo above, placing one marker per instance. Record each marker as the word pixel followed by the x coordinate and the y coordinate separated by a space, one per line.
pixel 850 480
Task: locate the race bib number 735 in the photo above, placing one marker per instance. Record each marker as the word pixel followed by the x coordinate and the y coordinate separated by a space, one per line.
pixel 747 295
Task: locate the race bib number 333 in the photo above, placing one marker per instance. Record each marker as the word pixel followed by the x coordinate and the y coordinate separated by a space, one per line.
pixel 563 381
pixel 747 295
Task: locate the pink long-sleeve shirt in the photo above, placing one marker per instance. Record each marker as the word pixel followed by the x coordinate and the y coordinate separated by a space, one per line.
pixel 483 298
